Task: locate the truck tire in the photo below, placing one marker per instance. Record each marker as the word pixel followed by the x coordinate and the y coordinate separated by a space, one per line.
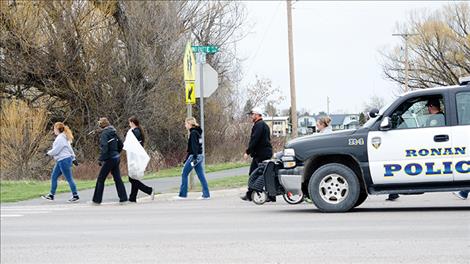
pixel 334 188
pixel 362 198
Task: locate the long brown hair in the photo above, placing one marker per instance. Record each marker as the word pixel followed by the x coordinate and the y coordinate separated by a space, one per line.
pixel 64 129
pixel 136 122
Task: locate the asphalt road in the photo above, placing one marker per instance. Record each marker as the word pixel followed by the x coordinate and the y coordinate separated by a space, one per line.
pixel 429 228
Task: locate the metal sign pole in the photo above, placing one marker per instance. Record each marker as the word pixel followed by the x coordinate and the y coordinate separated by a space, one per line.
pixel 202 58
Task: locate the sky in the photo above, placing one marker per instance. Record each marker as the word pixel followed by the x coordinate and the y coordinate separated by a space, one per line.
pixel 336 50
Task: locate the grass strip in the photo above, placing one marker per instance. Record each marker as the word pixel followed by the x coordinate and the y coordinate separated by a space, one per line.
pixel 14 191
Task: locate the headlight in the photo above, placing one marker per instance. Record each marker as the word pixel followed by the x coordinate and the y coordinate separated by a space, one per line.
pixel 288 162
pixel 289 152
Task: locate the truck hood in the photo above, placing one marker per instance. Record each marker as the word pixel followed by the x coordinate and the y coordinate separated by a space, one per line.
pixel 307 146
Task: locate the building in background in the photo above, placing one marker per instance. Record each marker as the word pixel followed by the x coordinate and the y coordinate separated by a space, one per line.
pixel 344 121
pixel 279 125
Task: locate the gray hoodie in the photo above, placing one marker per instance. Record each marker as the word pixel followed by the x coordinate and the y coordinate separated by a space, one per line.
pixel 61 148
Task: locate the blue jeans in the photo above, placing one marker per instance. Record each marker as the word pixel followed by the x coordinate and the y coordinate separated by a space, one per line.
pixel 63 167
pixel 200 174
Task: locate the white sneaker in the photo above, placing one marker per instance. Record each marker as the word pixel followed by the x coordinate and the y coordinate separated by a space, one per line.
pixel 204 198
pixel 180 198
pixel 152 195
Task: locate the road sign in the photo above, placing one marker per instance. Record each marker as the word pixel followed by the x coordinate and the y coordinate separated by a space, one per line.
pixel 190 93
pixel 189 63
pixel 210 82
pixel 205 49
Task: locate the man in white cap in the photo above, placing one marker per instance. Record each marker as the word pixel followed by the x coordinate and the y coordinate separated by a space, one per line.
pixel 259 147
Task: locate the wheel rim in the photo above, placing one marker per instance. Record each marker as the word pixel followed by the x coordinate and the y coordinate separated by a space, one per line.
pixel 333 188
pixel 259 197
pixel 293 198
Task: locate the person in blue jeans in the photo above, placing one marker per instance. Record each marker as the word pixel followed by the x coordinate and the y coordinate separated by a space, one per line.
pixel 64 156
pixel 462 194
pixel 194 160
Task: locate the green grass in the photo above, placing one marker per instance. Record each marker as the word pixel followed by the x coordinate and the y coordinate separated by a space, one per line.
pixel 13 191
pixel 224 183
pixel 176 171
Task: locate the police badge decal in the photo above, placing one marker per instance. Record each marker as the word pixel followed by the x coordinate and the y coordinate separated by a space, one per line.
pixel 376 141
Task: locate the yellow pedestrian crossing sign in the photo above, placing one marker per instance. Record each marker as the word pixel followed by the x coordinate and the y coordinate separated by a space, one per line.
pixel 189 63
pixel 190 92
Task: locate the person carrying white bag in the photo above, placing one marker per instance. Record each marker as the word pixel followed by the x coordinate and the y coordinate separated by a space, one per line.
pixel 137 160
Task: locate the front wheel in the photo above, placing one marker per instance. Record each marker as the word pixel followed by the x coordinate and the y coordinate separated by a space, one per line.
pixel 334 188
pixel 291 198
pixel 259 198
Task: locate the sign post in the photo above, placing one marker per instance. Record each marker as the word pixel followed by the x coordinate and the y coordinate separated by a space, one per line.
pixel 201 51
pixel 189 70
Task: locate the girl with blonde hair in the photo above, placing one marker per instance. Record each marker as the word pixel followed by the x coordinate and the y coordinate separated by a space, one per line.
pixel 194 160
pixel 323 124
pixel 64 156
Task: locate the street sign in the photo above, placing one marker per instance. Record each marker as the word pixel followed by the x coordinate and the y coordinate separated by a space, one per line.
pixel 190 93
pixel 210 82
pixel 205 49
pixel 189 63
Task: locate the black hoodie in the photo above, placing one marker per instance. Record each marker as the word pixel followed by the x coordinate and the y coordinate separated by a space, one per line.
pixel 108 143
pixel 194 142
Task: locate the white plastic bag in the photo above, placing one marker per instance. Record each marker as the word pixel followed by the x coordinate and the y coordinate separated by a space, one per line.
pixel 137 158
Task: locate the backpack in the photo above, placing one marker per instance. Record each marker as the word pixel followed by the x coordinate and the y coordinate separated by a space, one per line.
pixel 120 144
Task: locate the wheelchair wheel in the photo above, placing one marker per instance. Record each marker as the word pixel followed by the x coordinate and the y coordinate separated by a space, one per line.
pixel 259 198
pixel 291 198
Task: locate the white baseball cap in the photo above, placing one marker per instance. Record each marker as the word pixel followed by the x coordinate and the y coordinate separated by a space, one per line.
pixel 256 110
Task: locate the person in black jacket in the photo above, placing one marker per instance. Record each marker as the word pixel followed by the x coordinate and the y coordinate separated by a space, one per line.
pixel 193 159
pixel 109 161
pixel 259 147
pixel 137 185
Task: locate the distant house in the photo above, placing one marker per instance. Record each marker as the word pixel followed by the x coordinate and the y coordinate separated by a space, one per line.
pixel 344 121
pixel 279 125
pixel 306 124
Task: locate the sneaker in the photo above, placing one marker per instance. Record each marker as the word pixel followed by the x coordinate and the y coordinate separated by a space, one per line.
pixel 459 195
pixel 203 198
pixel 74 199
pixel 123 202
pixel 94 203
pixel 180 198
pixel 392 197
pixel 152 195
pixel 48 197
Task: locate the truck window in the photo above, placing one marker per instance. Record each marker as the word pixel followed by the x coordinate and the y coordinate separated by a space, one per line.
pixel 463 108
pixel 427 111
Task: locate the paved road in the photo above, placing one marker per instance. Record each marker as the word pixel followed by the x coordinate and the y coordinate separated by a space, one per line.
pixel 429 228
pixel 162 185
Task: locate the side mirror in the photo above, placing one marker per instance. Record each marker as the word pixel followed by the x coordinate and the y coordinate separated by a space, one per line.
pixel 374 112
pixel 386 124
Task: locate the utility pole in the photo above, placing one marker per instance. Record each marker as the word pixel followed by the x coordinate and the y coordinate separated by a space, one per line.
pixel 293 103
pixel 328 105
pixel 406 36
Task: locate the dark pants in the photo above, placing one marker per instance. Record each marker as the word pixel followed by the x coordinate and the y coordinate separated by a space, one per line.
pixel 110 165
pixel 137 185
pixel 254 165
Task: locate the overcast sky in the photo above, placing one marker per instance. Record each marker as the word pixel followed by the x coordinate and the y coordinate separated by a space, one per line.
pixel 336 49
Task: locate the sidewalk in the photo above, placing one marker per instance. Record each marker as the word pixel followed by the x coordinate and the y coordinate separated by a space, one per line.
pixel 161 185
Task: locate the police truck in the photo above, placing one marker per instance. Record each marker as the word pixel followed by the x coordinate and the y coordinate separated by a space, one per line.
pixel 401 149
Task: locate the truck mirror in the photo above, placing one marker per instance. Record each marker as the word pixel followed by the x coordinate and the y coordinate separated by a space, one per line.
pixel 374 112
pixel 386 124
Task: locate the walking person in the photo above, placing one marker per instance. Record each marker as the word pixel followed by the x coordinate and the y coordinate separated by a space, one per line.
pixel 194 160
pixel 259 147
pixel 136 184
pixel 110 147
pixel 64 156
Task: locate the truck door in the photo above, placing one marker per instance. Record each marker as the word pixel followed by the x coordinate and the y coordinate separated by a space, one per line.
pixel 461 137
pixel 416 146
